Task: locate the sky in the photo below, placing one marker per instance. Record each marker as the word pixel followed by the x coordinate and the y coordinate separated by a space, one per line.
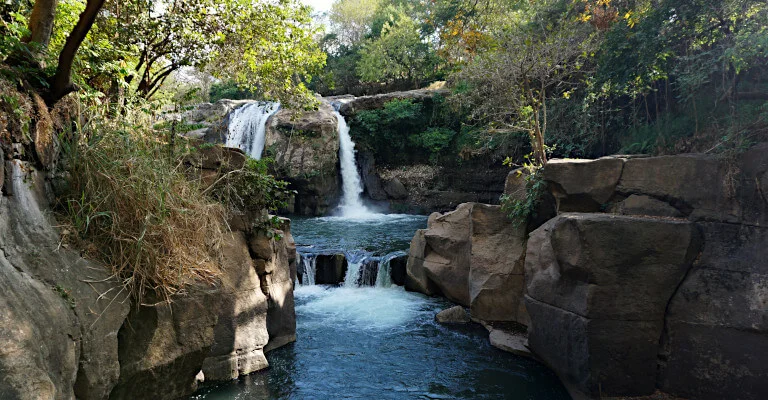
pixel 319 5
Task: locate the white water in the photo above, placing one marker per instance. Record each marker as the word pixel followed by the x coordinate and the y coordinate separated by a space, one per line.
pixel 362 308
pixel 351 206
pixel 248 126
pixel 309 267
pixel 384 275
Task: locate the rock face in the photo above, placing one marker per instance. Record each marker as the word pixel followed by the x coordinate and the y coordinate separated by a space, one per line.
pixel 474 257
pixel 305 147
pixel 352 106
pixel 585 278
pixel 713 325
pixel 58 336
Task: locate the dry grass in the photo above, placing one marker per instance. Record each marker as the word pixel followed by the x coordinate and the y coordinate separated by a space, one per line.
pixel 134 209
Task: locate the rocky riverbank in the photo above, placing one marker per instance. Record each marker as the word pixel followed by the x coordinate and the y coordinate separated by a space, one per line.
pixel 69 329
pixel 640 273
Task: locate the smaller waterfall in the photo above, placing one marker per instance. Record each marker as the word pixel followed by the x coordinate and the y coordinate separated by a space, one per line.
pixel 307 268
pixel 248 126
pixel 384 275
pixel 352 186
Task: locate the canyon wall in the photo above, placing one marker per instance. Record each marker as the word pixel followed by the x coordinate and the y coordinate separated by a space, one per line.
pixel 641 273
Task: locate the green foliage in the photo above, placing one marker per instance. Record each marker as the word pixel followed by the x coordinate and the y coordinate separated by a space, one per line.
pixel 65 294
pixel 521 207
pixel 252 189
pixel 229 90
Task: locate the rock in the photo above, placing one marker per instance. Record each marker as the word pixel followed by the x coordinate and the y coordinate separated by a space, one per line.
pixel 474 256
pixel 645 205
pixel 416 279
pixel 330 269
pixel 216 158
pixel 2 171
pixel 45 139
pixel 395 189
pixel 278 286
pixel 605 281
pixel 61 313
pixel 162 346
pixel 371 180
pixel 305 147
pixel 453 315
pixel 717 323
pixel 352 106
pixel 240 333
pixel 510 342
pixel 692 183
pixel 496 280
pixel 447 253
pixel 397 270
pixel 583 185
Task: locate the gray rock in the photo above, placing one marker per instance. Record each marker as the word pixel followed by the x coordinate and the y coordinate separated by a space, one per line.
pixel 61 313
pixel 583 185
pixel 510 342
pixel 453 315
pixel 395 189
pixel 606 281
pixel 354 105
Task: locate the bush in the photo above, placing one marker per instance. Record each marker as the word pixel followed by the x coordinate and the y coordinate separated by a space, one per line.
pixel 132 207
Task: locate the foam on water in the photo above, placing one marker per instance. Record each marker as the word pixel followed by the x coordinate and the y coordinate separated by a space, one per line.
pixel 361 308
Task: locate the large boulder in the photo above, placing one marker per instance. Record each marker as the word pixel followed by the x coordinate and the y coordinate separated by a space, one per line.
pixel 583 185
pixel 598 288
pixel 61 313
pixel 453 315
pixel 473 256
pixel 496 276
pixel 305 146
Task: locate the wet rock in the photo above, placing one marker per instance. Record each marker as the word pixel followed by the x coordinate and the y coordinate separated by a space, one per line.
pixel 515 343
pixel 397 270
pixel 330 269
pixel 453 315
pixel 598 286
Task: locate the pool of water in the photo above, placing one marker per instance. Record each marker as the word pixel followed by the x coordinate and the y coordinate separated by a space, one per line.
pixel 382 342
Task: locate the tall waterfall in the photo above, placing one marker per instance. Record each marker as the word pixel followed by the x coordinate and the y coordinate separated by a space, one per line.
pixel 352 186
pixel 248 126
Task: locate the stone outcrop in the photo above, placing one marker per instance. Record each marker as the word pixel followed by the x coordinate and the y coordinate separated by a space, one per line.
pixel 474 257
pixel 68 328
pixel 61 313
pixel 713 322
pixel 610 294
pixel 305 147
pixel 641 273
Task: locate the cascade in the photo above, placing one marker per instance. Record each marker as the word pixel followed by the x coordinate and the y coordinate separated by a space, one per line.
pixel 352 186
pixel 384 275
pixel 307 268
pixel 248 126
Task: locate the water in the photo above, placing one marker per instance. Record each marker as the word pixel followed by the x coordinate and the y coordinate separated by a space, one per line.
pixel 352 186
pixel 248 126
pixel 382 343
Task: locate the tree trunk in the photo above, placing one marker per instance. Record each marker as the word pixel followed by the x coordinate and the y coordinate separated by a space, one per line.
pixel 41 22
pixel 61 84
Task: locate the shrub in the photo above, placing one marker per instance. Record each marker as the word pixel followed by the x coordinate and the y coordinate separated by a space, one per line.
pixel 132 207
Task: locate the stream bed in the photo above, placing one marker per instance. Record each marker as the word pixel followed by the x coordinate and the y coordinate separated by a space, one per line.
pixel 381 342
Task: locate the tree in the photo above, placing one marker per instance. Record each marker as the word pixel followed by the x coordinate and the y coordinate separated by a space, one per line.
pixel 351 20
pixel 41 25
pixel 509 87
pixel 399 54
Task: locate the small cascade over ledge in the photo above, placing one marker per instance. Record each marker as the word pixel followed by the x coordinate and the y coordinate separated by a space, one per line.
pixel 248 126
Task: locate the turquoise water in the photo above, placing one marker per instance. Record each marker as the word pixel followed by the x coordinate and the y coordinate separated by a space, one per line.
pixel 382 343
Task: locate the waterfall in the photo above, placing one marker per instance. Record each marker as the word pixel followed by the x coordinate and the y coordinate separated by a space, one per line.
pixel 248 126
pixel 307 268
pixel 384 275
pixel 352 186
